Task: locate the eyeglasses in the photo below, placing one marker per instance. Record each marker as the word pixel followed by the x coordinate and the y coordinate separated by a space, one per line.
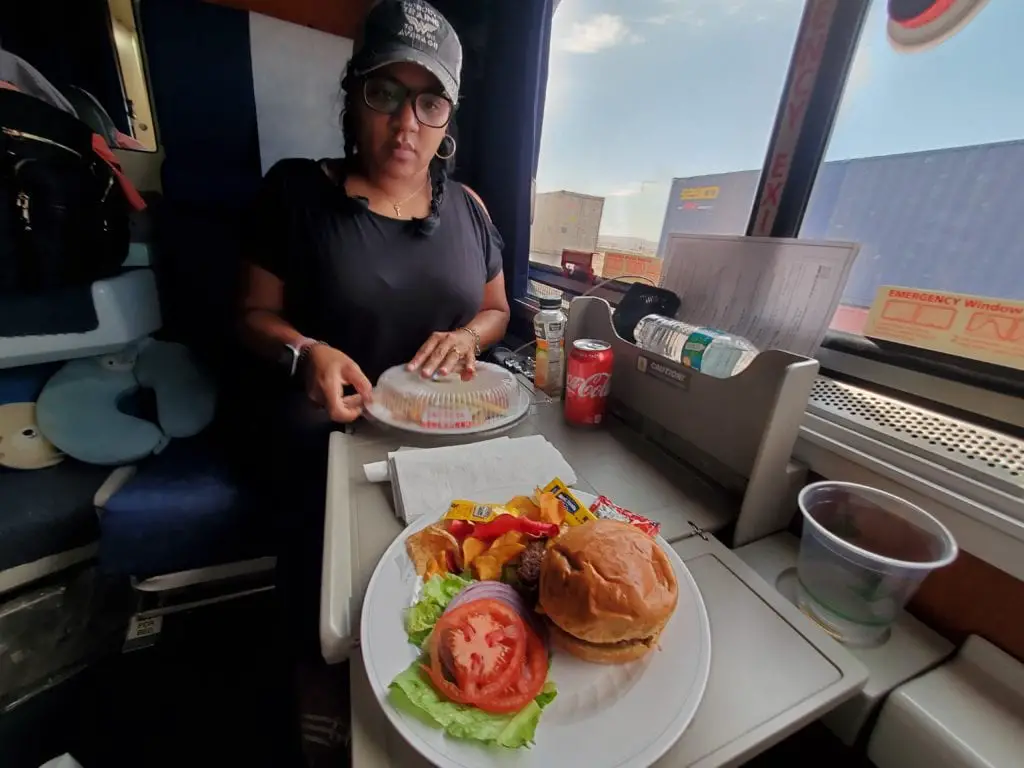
pixel 382 94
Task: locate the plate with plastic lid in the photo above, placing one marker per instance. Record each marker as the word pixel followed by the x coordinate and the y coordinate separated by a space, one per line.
pixel 604 716
pixel 448 405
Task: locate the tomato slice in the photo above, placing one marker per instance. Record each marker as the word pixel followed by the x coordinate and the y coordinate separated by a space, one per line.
pixel 477 649
pixel 524 688
pixel 449 690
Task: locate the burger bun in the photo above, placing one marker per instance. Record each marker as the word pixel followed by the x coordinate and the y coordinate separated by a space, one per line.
pixel 609 590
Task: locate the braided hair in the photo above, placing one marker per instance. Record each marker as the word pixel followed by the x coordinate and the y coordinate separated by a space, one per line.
pixel 439 168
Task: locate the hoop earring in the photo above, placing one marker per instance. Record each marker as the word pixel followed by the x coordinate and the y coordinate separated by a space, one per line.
pixel 451 154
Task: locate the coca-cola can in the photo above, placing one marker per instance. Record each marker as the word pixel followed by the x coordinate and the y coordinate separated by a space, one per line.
pixel 588 381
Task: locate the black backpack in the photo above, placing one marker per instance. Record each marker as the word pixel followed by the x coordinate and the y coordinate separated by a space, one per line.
pixel 63 214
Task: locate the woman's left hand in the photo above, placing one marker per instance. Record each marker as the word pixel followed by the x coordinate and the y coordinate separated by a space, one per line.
pixel 445 352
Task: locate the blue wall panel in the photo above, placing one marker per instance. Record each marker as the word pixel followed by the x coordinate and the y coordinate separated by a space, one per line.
pixel 823 200
pixel 949 219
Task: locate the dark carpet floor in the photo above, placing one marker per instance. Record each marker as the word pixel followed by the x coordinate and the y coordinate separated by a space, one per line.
pixel 212 691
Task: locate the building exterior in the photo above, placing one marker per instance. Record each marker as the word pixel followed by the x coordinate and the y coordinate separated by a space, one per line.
pixel 630 266
pixel 564 221
pixel 950 219
pixel 717 204
pixel 627 244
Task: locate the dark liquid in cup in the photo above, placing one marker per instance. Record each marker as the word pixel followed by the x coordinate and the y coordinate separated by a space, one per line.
pixel 869 526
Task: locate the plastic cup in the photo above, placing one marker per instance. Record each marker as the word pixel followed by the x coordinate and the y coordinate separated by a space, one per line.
pixel 863 554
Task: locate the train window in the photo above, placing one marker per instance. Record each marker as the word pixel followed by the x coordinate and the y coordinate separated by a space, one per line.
pixel 642 99
pixel 130 59
pixel 925 168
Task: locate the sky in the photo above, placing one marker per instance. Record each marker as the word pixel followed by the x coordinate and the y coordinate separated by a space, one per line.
pixel 642 91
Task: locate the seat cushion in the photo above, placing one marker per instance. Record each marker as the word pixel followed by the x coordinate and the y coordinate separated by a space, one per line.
pixel 183 509
pixel 47 511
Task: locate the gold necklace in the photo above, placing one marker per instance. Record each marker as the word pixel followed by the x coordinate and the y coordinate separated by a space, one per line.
pixel 398 206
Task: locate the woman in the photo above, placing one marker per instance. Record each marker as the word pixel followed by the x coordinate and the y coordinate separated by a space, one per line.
pixel 378 259
pixel 360 264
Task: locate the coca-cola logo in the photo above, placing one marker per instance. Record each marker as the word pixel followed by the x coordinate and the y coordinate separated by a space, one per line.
pixel 595 385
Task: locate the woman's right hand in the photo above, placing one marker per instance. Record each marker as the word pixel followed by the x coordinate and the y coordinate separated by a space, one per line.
pixel 327 371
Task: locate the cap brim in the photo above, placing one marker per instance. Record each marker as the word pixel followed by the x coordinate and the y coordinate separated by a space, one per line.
pixel 398 54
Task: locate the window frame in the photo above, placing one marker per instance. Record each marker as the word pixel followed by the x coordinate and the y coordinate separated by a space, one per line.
pixel 785 185
pixel 974 393
pixel 148 104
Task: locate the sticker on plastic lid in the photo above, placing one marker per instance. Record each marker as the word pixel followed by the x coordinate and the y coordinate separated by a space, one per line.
pixel 438 417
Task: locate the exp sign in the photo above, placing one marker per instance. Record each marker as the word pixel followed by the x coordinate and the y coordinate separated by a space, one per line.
pixel 698 193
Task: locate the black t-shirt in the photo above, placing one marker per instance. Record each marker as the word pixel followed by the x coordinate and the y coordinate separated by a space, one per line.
pixel 371 286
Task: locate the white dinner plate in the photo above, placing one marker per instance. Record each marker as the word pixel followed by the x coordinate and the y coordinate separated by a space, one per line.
pixel 620 716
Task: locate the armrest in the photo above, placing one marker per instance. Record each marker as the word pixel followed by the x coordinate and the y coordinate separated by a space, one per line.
pixel 115 481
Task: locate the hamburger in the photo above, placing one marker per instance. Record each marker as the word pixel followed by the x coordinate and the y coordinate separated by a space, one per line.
pixel 608 591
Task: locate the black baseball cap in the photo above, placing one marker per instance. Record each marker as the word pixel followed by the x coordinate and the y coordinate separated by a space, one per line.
pixel 411 31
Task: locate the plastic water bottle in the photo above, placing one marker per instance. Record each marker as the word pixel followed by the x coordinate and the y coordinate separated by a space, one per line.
pixel 707 350
pixel 549 330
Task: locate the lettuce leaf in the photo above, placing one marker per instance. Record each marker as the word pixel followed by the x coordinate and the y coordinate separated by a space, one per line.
pixel 412 692
pixel 437 593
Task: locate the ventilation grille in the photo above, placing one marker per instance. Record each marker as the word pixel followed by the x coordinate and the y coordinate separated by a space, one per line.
pixel 987 456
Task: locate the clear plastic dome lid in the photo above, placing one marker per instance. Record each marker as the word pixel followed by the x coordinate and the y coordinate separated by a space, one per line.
pixel 404 398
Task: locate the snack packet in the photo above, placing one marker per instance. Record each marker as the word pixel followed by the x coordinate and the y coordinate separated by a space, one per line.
pixel 474 512
pixel 575 512
pixel 605 509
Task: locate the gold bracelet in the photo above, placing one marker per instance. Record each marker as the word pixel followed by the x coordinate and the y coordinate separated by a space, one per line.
pixel 476 339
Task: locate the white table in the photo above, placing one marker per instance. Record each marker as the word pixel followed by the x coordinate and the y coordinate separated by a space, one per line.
pixel 772 669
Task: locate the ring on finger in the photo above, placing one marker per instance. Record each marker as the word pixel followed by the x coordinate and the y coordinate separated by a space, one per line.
pixel 452 360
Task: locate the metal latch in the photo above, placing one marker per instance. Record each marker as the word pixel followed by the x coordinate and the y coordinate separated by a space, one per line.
pixel 697 530
pixel 23 203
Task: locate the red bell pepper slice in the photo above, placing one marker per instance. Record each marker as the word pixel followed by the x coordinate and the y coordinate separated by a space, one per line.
pixel 460 529
pixel 500 525
pixel 506 523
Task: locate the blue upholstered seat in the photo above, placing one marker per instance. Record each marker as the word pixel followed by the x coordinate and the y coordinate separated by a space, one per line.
pixel 183 509
pixel 45 512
